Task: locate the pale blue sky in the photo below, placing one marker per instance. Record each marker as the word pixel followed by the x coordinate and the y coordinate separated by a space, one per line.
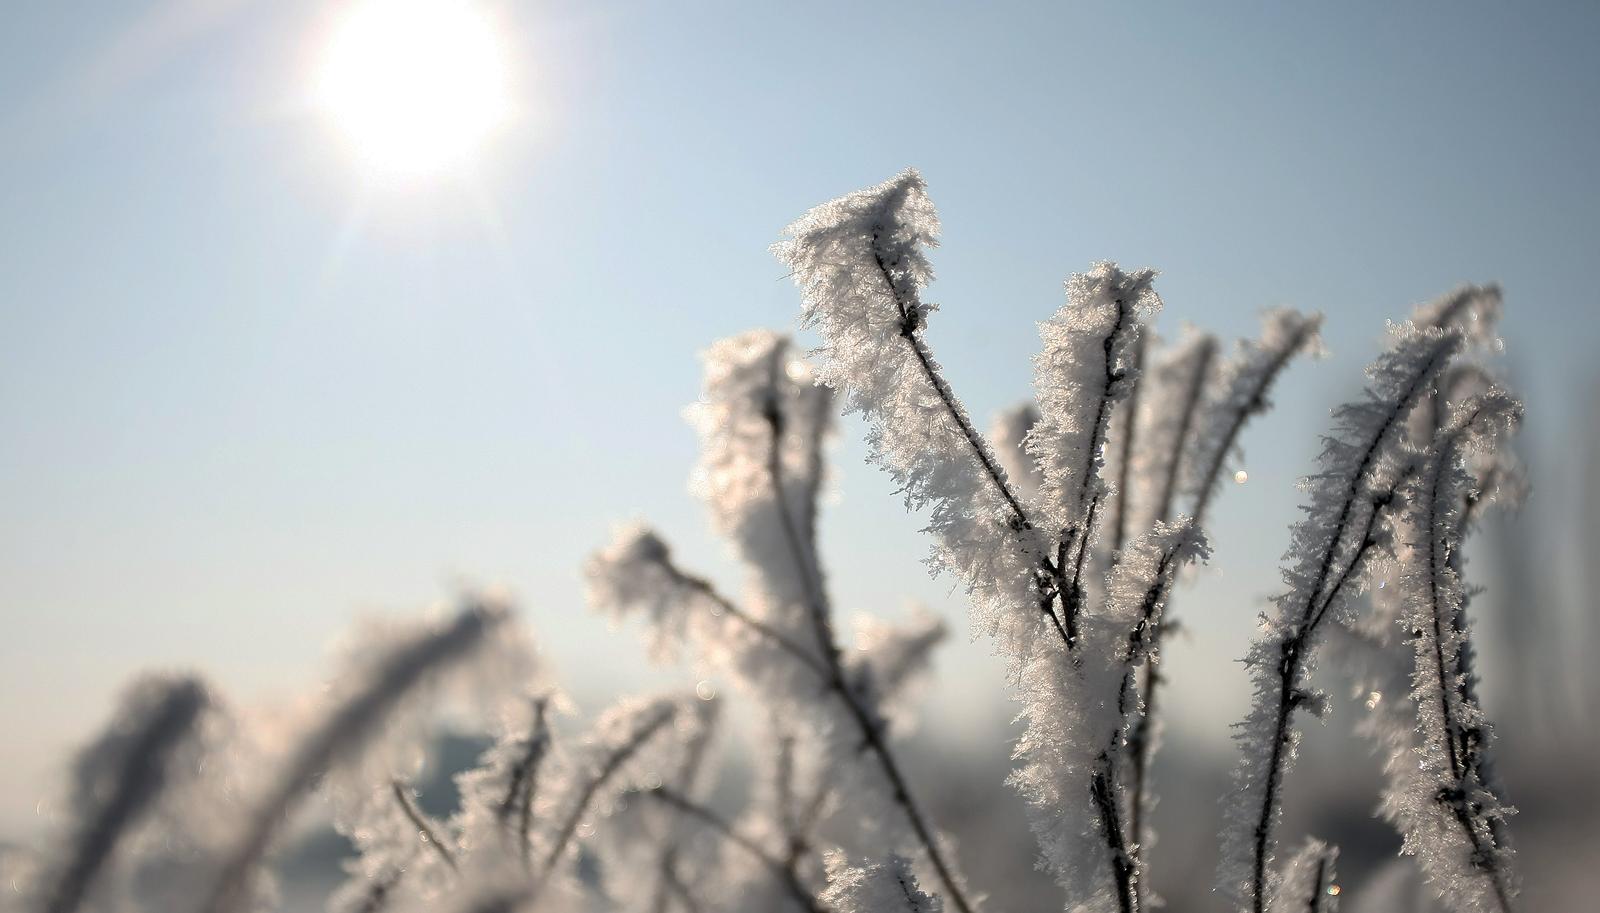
pixel 243 396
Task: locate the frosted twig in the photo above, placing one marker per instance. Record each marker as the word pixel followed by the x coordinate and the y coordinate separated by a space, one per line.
pixel 122 774
pixel 1326 558
pixel 524 785
pixel 342 731
pixel 913 319
pixel 1249 376
pixel 1087 367
pixel 808 568
pixel 785 874
pixel 609 765
pixel 1130 428
pixel 1193 388
pixel 1450 769
pixel 889 886
pixel 1246 378
pixel 402 796
pixel 1308 881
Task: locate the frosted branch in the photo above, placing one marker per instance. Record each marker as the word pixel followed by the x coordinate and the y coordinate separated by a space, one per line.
pixel 782 872
pixel 1360 460
pixel 120 777
pixel 341 732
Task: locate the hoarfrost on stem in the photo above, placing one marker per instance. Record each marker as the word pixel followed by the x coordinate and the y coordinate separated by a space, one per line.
pixel 889 886
pixel 365 701
pixel 762 423
pixel 861 266
pixel 1362 464
pixel 1440 793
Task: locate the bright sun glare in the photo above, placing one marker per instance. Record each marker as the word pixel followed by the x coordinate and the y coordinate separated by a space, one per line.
pixel 417 87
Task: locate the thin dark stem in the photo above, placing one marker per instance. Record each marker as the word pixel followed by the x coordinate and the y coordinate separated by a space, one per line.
pixel 1072 591
pixel 524 785
pixel 1296 647
pixel 1124 869
pixel 402 795
pixel 608 768
pixel 1459 748
pixel 1256 402
pixel 810 816
pixel 809 570
pixel 1089 473
pixel 1119 529
pixel 1142 738
pixel 1191 406
pixel 1290 697
pixel 808 566
pixel 1141 744
pixel 783 873
pixel 1314 902
pixel 814 474
pixel 911 317
pixel 783 777
pixel 732 610
pixel 1436 616
pixel 1131 719
pixel 1081 533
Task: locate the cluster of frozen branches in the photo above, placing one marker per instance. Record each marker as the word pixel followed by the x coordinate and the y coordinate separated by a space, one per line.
pixel 1067 531
pixel 1071 526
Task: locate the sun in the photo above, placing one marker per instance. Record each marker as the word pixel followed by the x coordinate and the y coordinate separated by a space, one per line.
pixel 415 87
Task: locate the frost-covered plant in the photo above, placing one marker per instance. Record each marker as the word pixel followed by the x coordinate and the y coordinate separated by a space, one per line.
pixel 862 266
pixel 1070 527
pixel 368 697
pixel 1364 464
pixel 1440 791
pixel 762 425
pixel 1441 795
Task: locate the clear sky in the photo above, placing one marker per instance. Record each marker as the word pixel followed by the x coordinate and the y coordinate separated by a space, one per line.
pixel 246 391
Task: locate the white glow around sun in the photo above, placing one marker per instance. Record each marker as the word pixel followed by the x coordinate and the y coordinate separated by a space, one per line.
pixel 416 87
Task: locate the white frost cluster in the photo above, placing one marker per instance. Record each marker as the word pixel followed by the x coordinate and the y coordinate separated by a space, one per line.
pixel 1086 366
pixel 762 424
pixel 1471 310
pixel 861 266
pixel 1072 761
pixel 875 887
